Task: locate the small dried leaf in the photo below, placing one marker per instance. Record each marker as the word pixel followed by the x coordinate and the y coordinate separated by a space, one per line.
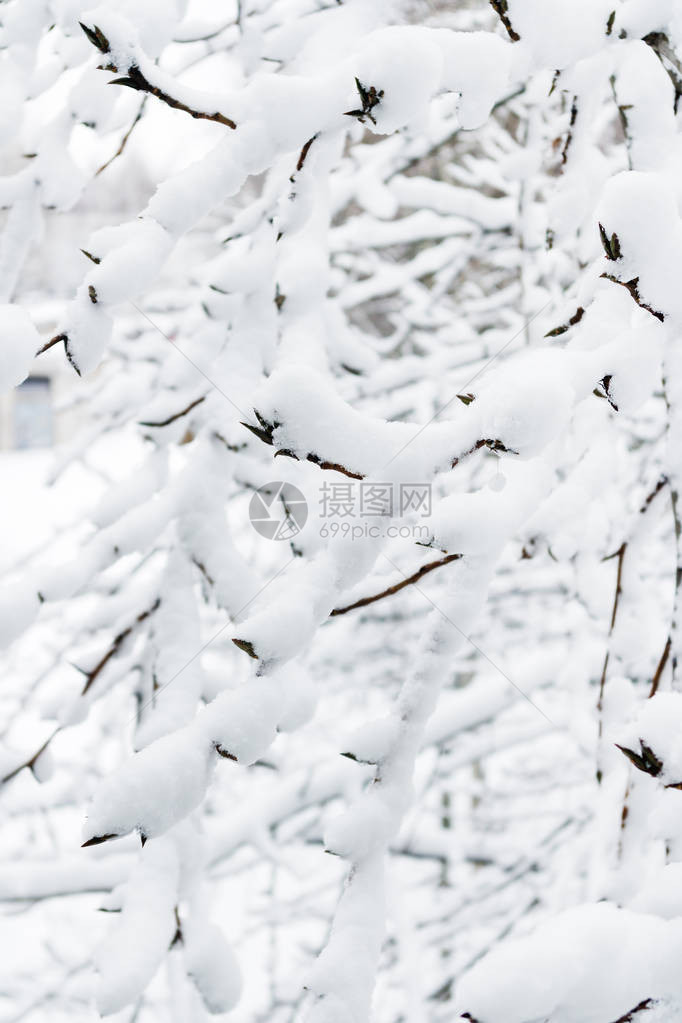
pixel 247 647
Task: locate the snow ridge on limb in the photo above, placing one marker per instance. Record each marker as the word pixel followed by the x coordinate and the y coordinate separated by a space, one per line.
pixel 127 59
pixel 128 266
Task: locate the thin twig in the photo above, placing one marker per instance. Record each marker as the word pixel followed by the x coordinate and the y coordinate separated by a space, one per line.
pixel 51 343
pixel 124 140
pixel 135 79
pixel 654 493
pixel 501 9
pixel 304 153
pixel 31 761
pixel 632 287
pixel 93 674
pixel 646 1003
pixel 660 667
pixel 569 133
pixel 620 554
pixel 176 415
pixel 390 590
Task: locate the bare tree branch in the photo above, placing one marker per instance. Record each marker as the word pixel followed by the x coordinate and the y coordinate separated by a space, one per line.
pixel 93 674
pixel 390 590
pixel 176 415
pixel 134 78
pixel 124 140
pixel 501 8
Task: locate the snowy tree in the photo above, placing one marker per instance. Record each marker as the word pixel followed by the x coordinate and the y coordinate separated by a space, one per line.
pixel 392 249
